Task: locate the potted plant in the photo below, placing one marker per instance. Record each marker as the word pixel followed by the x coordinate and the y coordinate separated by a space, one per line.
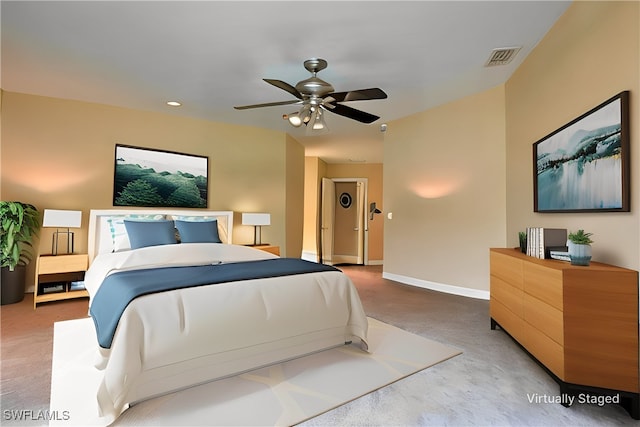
pixel 579 245
pixel 522 239
pixel 19 224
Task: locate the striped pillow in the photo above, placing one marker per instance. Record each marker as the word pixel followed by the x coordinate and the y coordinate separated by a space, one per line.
pixel 119 236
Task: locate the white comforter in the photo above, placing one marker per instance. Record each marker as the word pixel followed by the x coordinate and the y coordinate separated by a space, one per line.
pixel 176 339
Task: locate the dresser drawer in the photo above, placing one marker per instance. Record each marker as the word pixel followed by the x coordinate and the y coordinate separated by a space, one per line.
pixel 507 268
pixel 544 283
pixel 508 295
pixel 62 263
pixel 507 319
pixel 546 350
pixel 542 316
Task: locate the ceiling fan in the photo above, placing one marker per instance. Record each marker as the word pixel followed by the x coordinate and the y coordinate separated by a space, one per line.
pixel 315 95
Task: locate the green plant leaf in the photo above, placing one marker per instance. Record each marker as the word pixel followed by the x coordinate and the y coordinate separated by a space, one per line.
pixel 20 225
pixel 580 237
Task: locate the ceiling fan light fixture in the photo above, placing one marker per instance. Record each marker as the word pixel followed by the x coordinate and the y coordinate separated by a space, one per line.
pixel 294 119
pixel 317 123
pixel 305 114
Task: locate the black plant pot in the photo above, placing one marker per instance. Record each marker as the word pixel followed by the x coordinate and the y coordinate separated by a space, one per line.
pixel 12 285
pixel 523 247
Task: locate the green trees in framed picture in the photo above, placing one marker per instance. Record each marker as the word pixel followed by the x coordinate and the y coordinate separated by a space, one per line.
pixel 155 178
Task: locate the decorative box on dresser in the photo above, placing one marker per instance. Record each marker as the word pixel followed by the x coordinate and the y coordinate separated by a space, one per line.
pixel 579 322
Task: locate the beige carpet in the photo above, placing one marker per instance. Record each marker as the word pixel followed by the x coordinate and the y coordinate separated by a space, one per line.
pixel 283 394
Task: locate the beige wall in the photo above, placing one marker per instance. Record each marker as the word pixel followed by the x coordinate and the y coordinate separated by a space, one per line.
pixel 294 198
pixel 315 170
pixel 591 54
pixel 59 154
pixel 459 178
pixel 444 183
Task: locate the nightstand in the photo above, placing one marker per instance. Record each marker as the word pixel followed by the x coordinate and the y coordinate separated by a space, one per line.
pixel 60 277
pixel 268 248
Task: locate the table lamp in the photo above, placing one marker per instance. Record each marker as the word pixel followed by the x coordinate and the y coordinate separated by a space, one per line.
pixel 62 219
pixel 257 220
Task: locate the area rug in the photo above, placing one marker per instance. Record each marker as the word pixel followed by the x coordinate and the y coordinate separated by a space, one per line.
pixel 281 395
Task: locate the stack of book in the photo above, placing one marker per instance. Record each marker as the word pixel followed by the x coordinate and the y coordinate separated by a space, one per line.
pixel 542 241
pixel 51 287
pixel 561 254
pixel 76 285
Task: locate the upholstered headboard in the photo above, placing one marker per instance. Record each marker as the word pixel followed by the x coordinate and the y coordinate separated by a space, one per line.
pixel 101 228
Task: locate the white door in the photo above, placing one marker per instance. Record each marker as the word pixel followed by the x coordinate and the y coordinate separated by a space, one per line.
pixel 327 212
pixel 343 222
pixel 361 223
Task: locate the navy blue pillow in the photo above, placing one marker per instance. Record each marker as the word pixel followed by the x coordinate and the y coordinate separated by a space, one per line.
pixel 198 231
pixel 150 233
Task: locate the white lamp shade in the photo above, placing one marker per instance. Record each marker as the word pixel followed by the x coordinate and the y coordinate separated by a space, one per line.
pixel 62 218
pixel 256 219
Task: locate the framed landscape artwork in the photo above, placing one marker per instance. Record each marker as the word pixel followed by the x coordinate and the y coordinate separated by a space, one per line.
pixel 155 178
pixel 584 166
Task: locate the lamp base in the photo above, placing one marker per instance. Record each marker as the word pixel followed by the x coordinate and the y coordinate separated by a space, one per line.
pixel 257 235
pixel 56 237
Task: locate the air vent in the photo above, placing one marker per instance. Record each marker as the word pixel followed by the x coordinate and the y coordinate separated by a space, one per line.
pixel 502 56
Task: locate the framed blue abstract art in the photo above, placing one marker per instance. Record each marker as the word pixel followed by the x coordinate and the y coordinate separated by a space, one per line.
pixel 584 165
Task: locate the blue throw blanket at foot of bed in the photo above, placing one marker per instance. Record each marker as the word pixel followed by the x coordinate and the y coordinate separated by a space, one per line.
pixel 119 289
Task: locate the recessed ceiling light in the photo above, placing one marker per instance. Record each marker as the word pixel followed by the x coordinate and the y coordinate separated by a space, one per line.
pixel 174 103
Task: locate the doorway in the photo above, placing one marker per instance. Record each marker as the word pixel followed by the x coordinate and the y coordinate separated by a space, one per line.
pixel 343 229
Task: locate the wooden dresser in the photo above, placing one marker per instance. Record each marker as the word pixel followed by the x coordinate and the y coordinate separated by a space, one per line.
pixel 580 323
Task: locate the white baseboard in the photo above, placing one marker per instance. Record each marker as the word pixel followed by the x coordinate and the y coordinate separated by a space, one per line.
pixel 449 289
pixel 313 257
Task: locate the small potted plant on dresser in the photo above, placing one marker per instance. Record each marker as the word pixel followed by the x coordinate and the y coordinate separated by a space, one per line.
pixel 579 245
pixel 522 239
pixel 19 224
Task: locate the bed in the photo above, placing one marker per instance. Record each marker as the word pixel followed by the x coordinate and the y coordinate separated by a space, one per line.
pixel 172 338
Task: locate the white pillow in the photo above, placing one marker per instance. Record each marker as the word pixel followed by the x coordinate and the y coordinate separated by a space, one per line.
pixel 119 236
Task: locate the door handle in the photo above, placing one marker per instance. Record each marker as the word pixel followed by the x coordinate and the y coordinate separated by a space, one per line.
pixel 356 228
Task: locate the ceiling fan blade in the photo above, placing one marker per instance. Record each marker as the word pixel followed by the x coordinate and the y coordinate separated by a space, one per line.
pixel 352 113
pixel 359 95
pixel 284 86
pixel 268 104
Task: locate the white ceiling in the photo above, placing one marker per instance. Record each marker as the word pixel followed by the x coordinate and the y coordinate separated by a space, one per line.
pixel 212 55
